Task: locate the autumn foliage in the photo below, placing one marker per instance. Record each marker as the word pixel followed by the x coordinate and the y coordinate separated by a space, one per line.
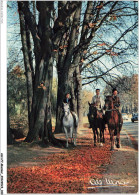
pixel 68 172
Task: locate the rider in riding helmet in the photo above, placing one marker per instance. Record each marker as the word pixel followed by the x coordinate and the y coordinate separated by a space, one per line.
pixel 115 98
pixel 68 100
pixel 116 102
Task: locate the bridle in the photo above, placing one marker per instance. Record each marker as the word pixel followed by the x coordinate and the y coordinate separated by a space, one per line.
pixel 107 107
pixel 111 109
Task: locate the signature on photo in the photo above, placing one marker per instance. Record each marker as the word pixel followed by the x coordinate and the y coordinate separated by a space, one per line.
pixel 95 183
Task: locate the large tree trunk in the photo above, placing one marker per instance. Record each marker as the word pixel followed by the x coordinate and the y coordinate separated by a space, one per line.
pixel 10 139
pixel 48 136
pixel 79 96
pixel 40 115
pixel 63 67
pixel 27 59
pixel 74 92
pixel 63 88
pixel 41 107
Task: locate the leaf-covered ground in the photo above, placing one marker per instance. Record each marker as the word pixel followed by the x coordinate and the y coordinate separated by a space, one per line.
pixel 68 172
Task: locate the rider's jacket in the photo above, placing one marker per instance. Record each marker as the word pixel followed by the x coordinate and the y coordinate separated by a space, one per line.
pixel 98 101
pixel 116 101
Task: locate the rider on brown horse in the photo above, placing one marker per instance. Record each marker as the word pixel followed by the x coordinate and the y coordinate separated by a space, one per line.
pixel 116 102
pixel 113 117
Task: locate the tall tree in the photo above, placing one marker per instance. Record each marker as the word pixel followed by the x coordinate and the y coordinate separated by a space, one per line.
pixel 25 37
pixel 40 115
pixel 10 139
pixel 64 65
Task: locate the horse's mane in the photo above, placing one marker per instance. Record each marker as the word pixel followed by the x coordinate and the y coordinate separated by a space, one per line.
pixel 108 96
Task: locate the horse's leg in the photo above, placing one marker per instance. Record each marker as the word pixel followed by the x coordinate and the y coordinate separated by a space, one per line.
pixel 66 133
pixel 98 135
pixel 103 130
pixel 118 139
pixel 103 136
pixel 94 132
pixel 112 139
pixel 75 136
pixel 71 133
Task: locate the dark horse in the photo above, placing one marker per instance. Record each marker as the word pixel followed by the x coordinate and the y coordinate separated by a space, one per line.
pixel 113 121
pixel 97 123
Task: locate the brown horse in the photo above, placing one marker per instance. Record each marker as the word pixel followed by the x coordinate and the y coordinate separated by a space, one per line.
pixel 97 123
pixel 113 121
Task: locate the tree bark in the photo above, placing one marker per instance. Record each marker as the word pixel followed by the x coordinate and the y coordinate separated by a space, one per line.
pixel 76 87
pixel 63 88
pixel 27 60
pixel 41 107
pixel 63 66
pixel 40 116
pixel 79 96
pixel 10 139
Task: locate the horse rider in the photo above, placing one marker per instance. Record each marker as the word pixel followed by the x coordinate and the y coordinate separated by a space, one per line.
pixel 98 101
pixel 116 102
pixel 68 100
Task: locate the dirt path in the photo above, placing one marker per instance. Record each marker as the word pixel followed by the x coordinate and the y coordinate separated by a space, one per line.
pixel 27 154
pixel 24 154
pixel 122 166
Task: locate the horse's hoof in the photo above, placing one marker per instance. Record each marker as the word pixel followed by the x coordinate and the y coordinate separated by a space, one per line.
pixel 112 149
pixel 95 145
pixel 101 144
pixel 118 145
